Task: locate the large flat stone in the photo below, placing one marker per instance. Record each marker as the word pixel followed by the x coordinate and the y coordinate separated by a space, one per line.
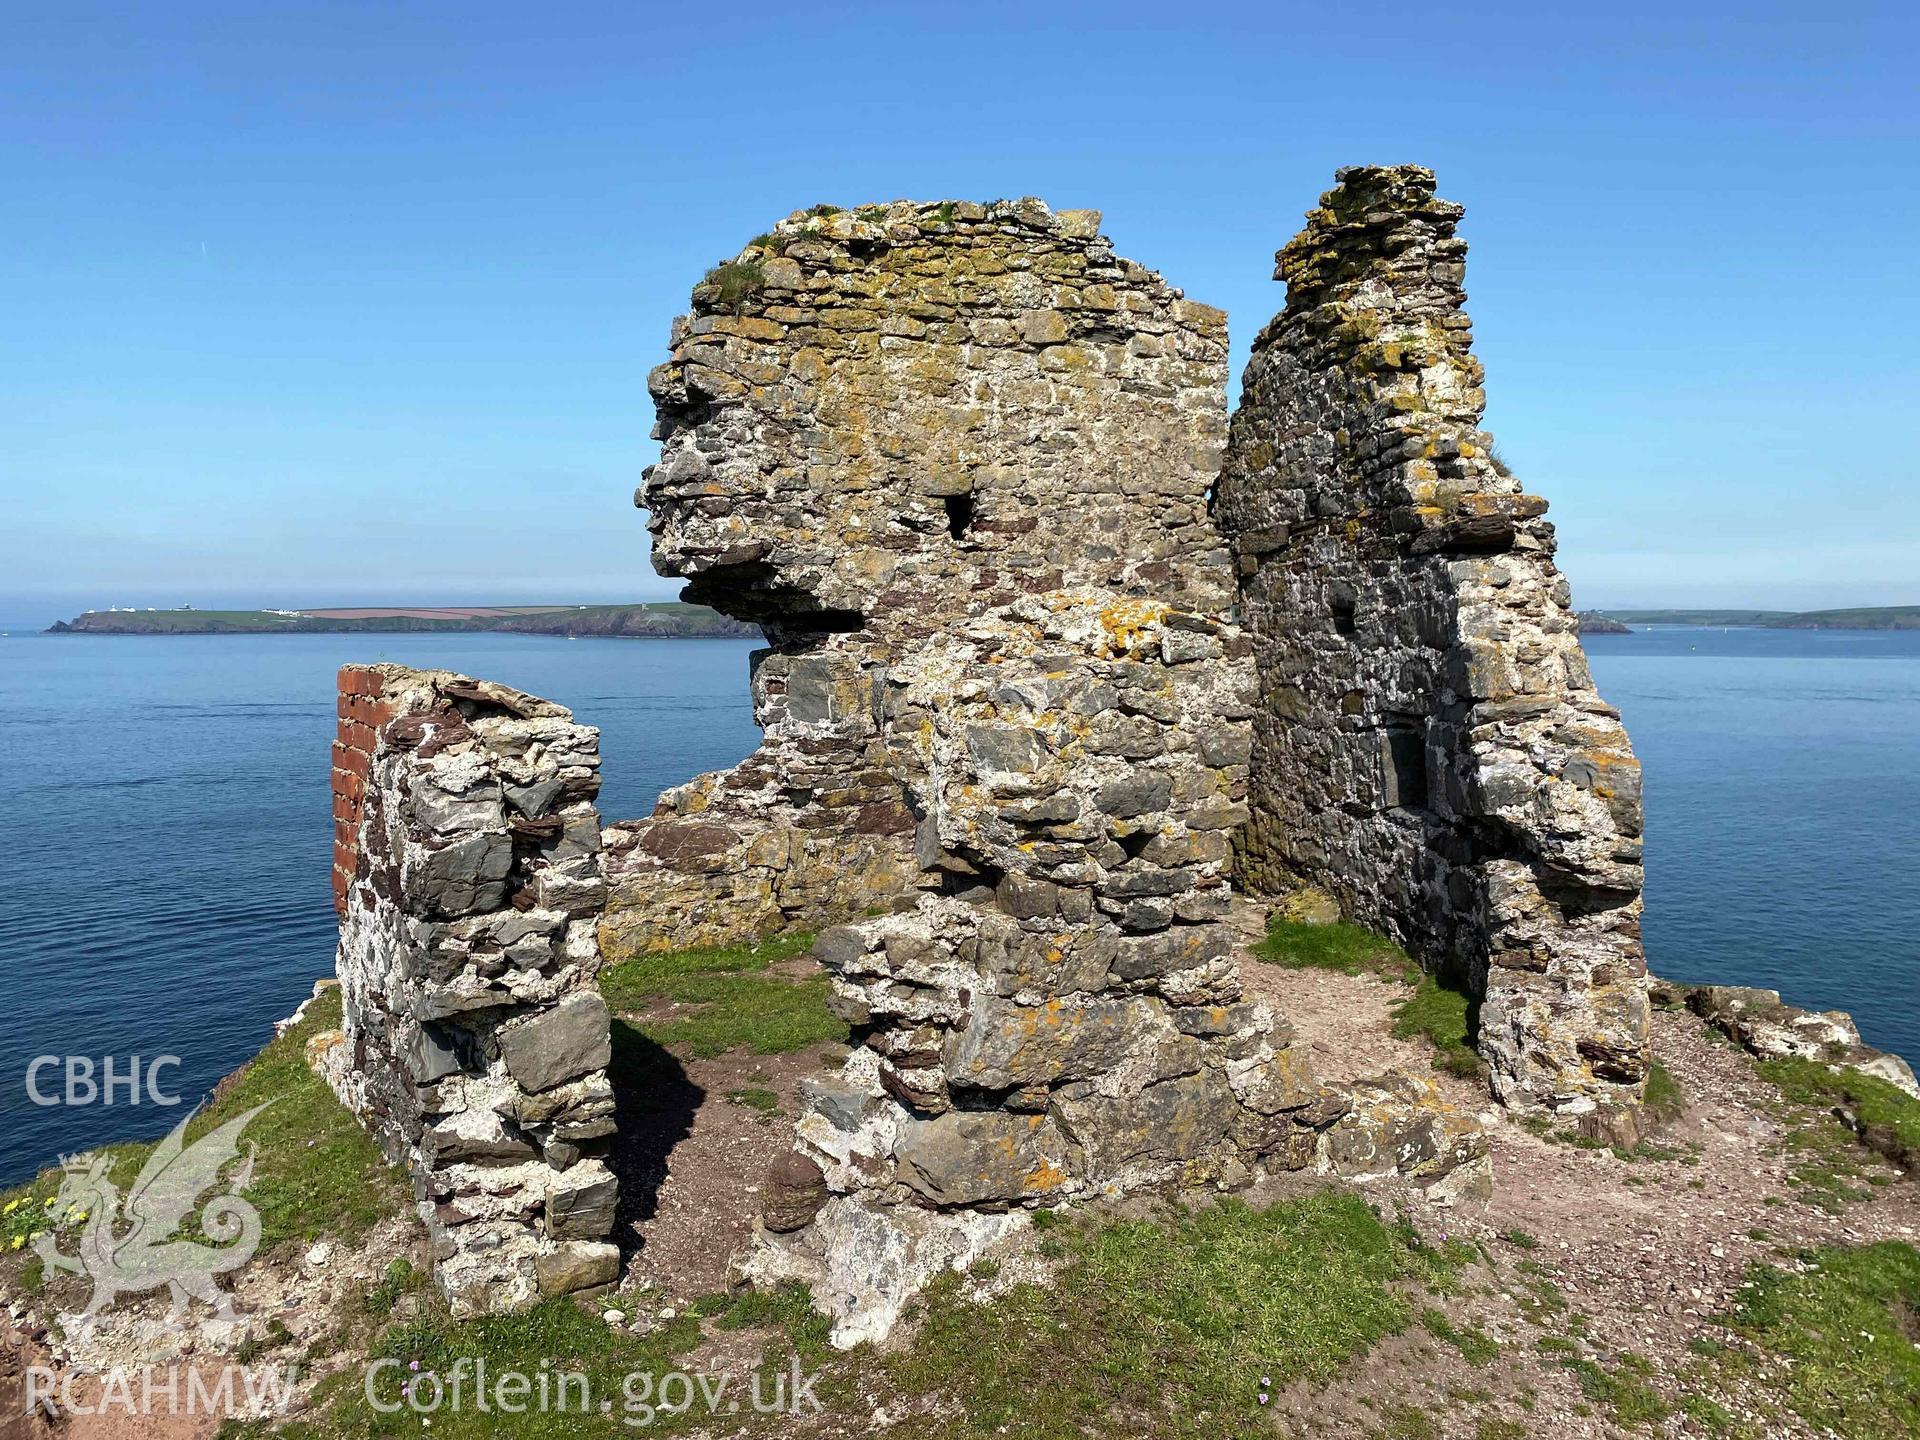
pixel 577 1265
pixel 979 1157
pixel 561 1044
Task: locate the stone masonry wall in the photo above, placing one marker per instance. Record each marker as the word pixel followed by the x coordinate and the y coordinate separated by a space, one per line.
pixel 875 423
pixel 955 460
pixel 811 830
pixel 475 1042
pixel 1429 746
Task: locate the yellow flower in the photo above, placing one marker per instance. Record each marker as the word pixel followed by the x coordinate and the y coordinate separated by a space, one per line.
pixel 12 1205
pixel 18 1241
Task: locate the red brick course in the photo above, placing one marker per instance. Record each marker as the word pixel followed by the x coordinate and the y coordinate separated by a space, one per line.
pixel 363 709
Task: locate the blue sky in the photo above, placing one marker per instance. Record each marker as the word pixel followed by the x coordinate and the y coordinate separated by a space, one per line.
pixel 355 302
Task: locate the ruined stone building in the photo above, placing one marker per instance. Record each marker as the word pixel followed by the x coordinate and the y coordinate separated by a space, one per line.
pixel 1058 660
pixel 1429 745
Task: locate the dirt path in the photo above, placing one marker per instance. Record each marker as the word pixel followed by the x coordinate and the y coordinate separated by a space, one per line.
pixel 1615 1257
pixel 694 1149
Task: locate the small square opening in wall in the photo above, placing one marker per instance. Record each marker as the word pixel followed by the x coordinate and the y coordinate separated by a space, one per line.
pixel 959 510
pixel 1343 605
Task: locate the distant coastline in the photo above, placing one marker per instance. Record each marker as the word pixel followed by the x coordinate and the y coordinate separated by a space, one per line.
pixel 667 618
pixel 676 619
pixel 1883 617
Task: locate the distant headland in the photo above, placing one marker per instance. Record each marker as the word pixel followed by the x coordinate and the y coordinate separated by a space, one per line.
pixel 1882 617
pixel 668 618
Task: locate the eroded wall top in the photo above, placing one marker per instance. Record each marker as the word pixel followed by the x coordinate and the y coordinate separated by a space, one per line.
pixel 874 419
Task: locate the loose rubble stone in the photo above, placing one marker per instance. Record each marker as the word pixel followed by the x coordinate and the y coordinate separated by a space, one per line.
pixel 1398 1124
pixel 1764 1025
pixel 864 1263
pixel 792 1194
pixel 577 1265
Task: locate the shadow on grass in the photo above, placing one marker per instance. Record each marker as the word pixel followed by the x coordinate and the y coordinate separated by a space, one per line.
pixel 1443 1010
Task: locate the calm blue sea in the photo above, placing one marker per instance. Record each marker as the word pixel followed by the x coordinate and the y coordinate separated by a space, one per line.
pixel 165 834
pixel 1783 811
pixel 165 830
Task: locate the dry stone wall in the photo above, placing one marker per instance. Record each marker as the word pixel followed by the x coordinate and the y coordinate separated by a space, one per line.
pixel 1429 746
pixel 474 1041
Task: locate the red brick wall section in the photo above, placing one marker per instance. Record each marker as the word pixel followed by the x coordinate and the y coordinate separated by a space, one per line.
pixel 363 709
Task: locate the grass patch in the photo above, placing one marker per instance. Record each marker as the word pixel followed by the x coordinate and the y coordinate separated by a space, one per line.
pixel 317 1172
pixel 1887 1119
pixel 556 1335
pixel 1473 1343
pixel 1623 1390
pixel 1833 1162
pixel 1849 1326
pixel 733 283
pixel 1448 1017
pixel 755 1098
pixel 1709 1415
pixel 1167 1328
pixel 630 983
pixel 1161 1327
pixel 400 1277
pixel 787 1308
pixel 1543 1299
pixel 1664 1099
pixel 735 1004
pixel 560 1337
pixel 1348 949
pixel 1406 1422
